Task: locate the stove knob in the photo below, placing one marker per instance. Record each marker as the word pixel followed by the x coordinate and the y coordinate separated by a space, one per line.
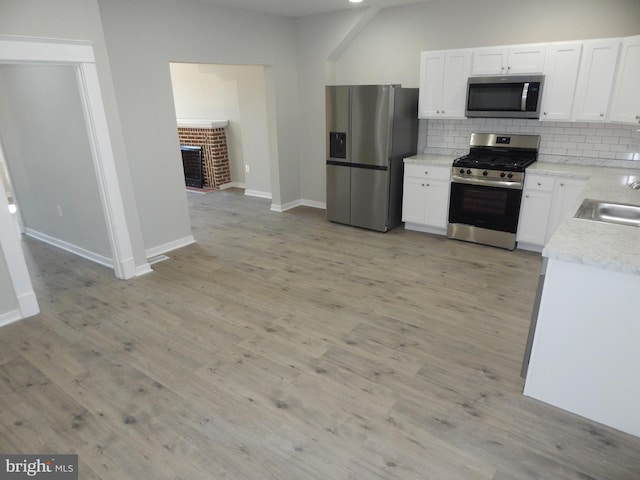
pixel 502 174
pixel 510 175
pixel 462 170
pixel 468 172
pixel 485 173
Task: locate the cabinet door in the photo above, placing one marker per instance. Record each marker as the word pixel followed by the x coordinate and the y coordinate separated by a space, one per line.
pixel 431 75
pixel 457 68
pixel 517 59
pixel 565 196
pixel 626 99
pixel 437 203
pixel 595 80
pixel 534 214
pixel 561 73
pixel 413 200
pixel 526 59
pixel 490 61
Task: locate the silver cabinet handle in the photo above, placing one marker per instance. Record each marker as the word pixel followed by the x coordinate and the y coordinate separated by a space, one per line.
pixel 602 114
pixel 562 184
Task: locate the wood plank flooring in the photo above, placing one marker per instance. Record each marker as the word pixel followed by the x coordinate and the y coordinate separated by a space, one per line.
pixel 281 346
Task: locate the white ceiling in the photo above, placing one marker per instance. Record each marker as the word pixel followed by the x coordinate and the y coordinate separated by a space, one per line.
pixel 300 8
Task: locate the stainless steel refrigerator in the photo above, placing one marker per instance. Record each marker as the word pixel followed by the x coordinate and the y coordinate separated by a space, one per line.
pixel 370 129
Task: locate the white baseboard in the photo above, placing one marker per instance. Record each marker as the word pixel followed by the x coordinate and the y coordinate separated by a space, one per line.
pixel 69 247
pixel 28 305
pixel 168 247
pixel 529 247
pixel 284 207
pixel 10 317
pixel 425 228
pixel 258 193
pixel 297 203
pixel 143 269
pixel 314 204
pixel 224 186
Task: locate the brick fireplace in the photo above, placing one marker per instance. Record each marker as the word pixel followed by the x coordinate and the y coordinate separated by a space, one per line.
pixel 211 137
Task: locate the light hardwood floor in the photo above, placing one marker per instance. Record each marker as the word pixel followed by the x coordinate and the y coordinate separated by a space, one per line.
pixel 281 346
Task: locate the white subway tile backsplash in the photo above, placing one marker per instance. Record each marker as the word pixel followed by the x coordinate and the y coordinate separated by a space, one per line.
pixel 577 142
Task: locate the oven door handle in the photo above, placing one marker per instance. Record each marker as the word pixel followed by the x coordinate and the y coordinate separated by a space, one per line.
pixel 482 182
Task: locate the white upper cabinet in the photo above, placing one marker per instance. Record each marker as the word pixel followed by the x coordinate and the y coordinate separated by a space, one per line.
pixel 595 80
pixel 443 83
pixel 490 61
pixel 431 77
pixel 561 72
pixel 514 60
pixel 625 107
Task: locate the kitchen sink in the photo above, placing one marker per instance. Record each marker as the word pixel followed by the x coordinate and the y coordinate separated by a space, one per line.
pixel 601 211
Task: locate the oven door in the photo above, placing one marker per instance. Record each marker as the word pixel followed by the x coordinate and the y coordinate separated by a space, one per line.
pixel 485 212
pixel 486 206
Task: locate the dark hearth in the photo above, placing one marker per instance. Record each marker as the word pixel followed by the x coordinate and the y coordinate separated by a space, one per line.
pixel 192 165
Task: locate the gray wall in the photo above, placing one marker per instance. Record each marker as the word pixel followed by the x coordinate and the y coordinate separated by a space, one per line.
pixel 388 50
pixel 320 38
pixel 80 19
pixel 45 141
pixel 142 38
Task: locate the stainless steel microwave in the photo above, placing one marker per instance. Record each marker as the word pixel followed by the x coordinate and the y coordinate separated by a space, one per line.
pixel 512 96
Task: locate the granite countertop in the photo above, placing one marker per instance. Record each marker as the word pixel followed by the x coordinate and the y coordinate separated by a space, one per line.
pixel 602 245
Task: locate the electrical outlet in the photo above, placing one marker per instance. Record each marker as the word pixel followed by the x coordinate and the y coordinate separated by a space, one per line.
pixel 59 210
pixel 247 169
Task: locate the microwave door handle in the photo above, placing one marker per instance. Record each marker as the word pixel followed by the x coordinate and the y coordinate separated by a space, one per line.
pixel 525 94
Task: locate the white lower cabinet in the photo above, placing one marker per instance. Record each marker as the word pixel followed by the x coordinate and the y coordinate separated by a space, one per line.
pixel 535 209
pixel 425 201
pixel 546 201
pixel 565 195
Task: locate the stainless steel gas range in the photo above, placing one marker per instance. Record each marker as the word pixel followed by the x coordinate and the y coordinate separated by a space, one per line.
pixel 486 188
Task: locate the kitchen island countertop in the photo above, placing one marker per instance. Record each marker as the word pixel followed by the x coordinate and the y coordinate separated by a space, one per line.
pixel 602 245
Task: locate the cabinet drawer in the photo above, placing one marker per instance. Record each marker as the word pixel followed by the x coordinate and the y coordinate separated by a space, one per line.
pixel 540 183
pixel 427 171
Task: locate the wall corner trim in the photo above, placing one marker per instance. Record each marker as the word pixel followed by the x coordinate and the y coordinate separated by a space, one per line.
pixel 353 32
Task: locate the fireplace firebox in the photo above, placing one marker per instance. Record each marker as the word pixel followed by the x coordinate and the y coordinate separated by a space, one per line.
pixel 192 165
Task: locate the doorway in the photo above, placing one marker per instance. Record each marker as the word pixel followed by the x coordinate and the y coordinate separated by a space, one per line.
pixel 234 95
pixel 75 60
